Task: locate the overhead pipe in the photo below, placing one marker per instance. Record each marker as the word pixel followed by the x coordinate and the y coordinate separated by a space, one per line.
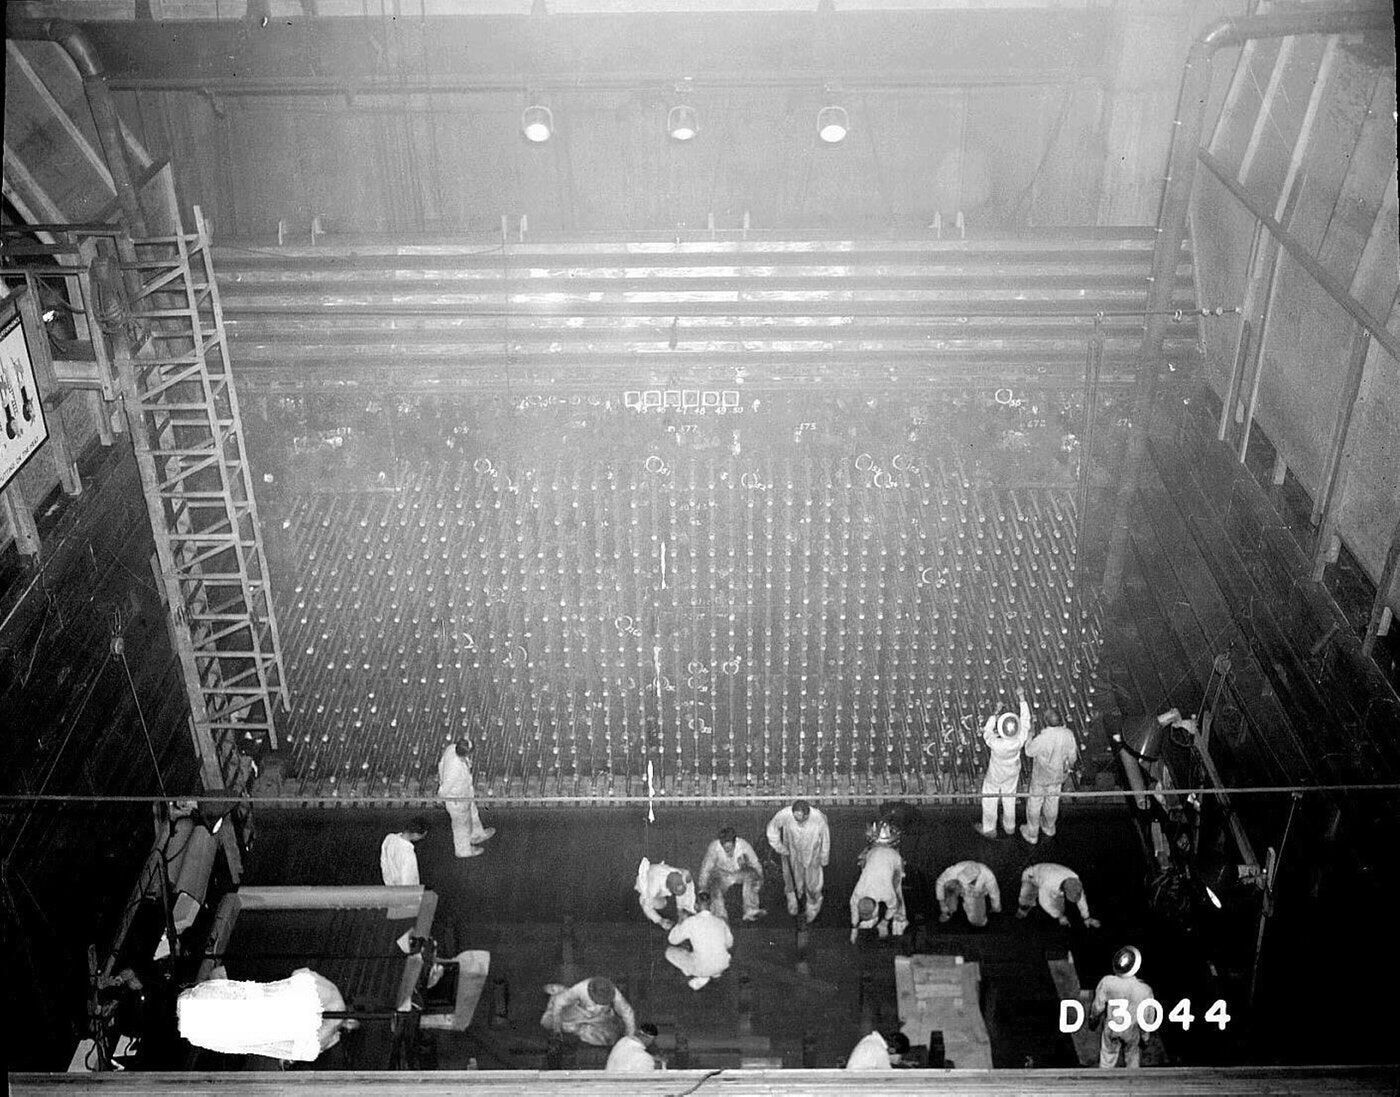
pixel 99 97
pixel 1176 202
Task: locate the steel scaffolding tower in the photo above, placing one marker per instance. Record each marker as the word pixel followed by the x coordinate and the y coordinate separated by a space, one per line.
pixel 187 433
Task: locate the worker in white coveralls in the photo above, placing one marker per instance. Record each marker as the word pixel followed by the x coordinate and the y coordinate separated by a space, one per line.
pixel 877 902
pixel 632 1054
pixel 800 835
pixel 876 1051
pixel 972 884
pixel 1116 1002
pixel 1004 735
pixel 1053 753
pixel 281 1020
pixel 731 860
pixel 658 884
pixel 398 860
pixel 710 940
pixel 1052 886
pixel 456 787
pixel 594 1010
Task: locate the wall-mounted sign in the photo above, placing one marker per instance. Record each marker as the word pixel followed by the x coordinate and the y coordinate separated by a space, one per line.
pixel 22 426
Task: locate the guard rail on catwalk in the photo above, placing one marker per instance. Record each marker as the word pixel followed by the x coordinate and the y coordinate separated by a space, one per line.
pixel 838 625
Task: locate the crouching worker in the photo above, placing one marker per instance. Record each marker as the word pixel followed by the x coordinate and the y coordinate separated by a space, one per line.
pixel 877 902
pixel 730 860
pixel 972 883
pixel 1053 886
pixel 632 1054
pixel 657 885
pixel 594 1010
pixel 710 940
pixel 879 1052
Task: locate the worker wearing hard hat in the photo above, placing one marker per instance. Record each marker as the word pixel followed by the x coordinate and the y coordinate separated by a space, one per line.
pixel 1118 995
pixel 1004 735
pixel 1054 753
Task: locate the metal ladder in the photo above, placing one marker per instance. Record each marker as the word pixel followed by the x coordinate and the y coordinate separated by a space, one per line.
pixel 188 436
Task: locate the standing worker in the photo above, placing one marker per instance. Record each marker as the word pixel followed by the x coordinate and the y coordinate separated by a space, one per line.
pixel 800 835
pixel 1119 994
pixel 458 790
pixel 1004 736
pixel 710 940
pixel 657 884
pixel 1054 753
pixel 731 860
pixel 398 863
pixel 878 898
pixel 971 882
pixel 1052 885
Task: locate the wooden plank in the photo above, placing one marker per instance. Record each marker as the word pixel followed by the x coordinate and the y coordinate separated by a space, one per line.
pixel 60 115
pixel 943 994
pixel 1066 979
pixel 20 520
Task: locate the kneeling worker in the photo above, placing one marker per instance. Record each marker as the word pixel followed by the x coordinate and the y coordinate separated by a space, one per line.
pixel 657 884
pixel 878 898
pixel 971 882
pixel 730 860
pixel 710 940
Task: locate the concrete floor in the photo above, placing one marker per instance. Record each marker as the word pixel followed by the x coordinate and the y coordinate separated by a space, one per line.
pixel 546 865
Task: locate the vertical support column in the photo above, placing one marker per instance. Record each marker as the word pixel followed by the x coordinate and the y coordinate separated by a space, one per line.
pixel 1383 592
pixel 1328 495
pixel 21 520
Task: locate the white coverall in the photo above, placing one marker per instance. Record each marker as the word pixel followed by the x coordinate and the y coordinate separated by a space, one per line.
pixel 653 894
pixel 630 1056
pixel 882 881
pixel 1045 882
pixel 1003 772
pixel 1129 1041
pixel 979 887
pixel 720 871
pixel 398 863
pixel 571 1009
pixel 871 1053
pixel 455 779
pixel 1053 753
pixel 710 941
pixel 805 849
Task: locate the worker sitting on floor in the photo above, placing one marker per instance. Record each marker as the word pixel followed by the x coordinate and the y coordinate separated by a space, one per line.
pixel 878 898
pixel 657 885
pixel 971 882
pixel 800 836
pixel 879 1052
pixel 1004 735
pixel 1052 885
pixel 632 1054
pixel 594 1010
pixel 730 860
pixel 1119 995
pixel 710 941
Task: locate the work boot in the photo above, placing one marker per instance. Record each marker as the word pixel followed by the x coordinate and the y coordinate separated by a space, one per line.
pixel 754 915
pixel 1029 835
pixel 486 833
pixel 792 904
pixel 698 981
pixel 475 851
pixel 988 834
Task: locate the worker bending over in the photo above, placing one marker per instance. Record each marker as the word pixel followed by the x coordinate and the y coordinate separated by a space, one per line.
pixel 594 1010
pixel 878 899
pixel 710 940
pixel 876 1051
pixel 972 883
pixel 658 884
pixel 1052 885
pixel 730 860
pixel 800 836
pixel 632 1054
pixel 1004 735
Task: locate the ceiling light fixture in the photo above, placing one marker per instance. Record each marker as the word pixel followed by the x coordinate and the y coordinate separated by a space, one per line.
pixel 681 123
pixel 832 124
pixel 537 123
